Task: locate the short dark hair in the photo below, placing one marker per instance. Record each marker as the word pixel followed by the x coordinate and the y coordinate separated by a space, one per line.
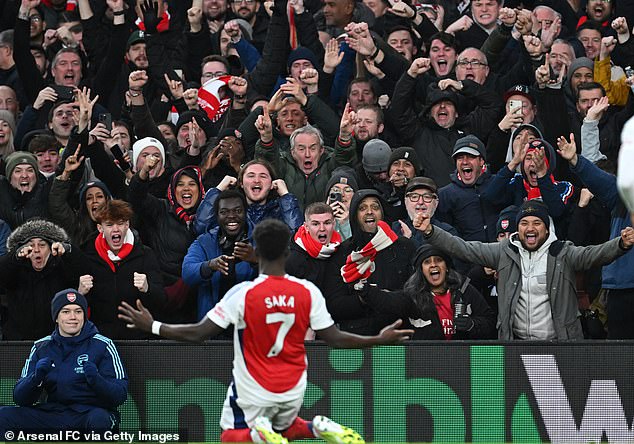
pixel 114 210
pixel 230 194
pixel 588 86
pixel 317 208
pixel 271 238
pixel 44 142
pixel 444 37
pixel 589 25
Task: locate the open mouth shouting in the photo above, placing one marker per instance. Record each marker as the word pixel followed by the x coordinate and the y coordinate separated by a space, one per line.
pixel 443 67
pixel 597 11
pixel 370 224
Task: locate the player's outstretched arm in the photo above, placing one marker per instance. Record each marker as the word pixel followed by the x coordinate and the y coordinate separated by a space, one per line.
pixel 341 339
pixel 142 319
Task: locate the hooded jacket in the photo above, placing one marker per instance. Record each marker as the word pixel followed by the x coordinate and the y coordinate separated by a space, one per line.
pixel 392 269
pixel 167 234
pixel 563 260
pixel 507 188
pixel 29 292
pixel 66 385
pixel 18 207
pixel 434 144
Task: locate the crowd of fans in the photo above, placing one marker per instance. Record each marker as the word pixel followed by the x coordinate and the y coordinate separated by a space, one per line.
pixel 436 162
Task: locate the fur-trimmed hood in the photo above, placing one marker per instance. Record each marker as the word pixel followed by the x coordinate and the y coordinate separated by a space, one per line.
pixel 36 228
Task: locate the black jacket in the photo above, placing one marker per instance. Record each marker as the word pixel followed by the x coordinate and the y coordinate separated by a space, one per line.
pixel 110 288
pixel 29 295
pixel 427 325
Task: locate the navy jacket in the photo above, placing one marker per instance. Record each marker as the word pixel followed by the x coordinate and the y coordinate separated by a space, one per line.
pixel 463 207
pixel 66 385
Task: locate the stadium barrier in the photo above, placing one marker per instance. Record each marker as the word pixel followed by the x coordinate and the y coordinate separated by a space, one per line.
pixel 420 392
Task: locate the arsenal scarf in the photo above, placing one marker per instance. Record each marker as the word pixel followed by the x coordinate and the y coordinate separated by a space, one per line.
pixel 313 247
pixel 360 264
pixel 105 253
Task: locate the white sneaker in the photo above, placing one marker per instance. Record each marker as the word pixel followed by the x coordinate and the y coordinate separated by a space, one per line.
pixel 334 433
pixel 262 425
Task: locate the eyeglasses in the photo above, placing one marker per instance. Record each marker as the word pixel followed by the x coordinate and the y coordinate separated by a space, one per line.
pixel 472 63
pixel 427 198
pixel 248 2
pixel 35 18
pixel 213 75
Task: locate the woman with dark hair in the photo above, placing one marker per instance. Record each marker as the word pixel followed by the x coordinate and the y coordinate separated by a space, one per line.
pixel 266 196
pixel 167 227
pixel 437 301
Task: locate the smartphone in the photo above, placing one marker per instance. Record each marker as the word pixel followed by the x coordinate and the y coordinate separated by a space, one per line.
pixel 106 119
pixel 515 106
pixel 335 196
pixel 118 154
pixel 64 92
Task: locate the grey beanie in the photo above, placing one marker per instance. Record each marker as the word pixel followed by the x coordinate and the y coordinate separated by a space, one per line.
pixel 376 156
pixel 39 228
pixel 581 62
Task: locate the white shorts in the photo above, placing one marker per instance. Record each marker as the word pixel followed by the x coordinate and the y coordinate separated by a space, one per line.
pixel 238 414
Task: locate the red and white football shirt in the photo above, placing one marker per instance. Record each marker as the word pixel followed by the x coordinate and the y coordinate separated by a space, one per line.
pixel 271 316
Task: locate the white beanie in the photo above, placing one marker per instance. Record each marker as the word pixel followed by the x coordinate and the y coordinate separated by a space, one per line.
pixel 625 176
pixel 144 143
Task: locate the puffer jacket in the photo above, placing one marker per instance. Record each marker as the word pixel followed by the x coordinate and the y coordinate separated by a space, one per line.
pixel 205 248
pixel 284 208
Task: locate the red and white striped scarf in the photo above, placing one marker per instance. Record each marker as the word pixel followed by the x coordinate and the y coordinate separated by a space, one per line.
pixel 360 264
pixel 313 247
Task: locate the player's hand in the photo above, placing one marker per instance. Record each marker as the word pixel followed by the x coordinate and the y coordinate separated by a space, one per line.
pixel 390 334
pixel 140 282
pixel 139 318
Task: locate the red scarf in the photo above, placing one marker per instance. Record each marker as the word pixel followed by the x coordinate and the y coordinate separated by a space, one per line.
pixel 71 5
pixel 445 313
pixel 360 264
pixel 313 247
pixel 105 253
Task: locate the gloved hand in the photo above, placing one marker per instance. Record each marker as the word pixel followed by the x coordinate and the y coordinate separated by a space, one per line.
pixel 463 323
pixel 150 16
pixel 90 369
pixel 42 368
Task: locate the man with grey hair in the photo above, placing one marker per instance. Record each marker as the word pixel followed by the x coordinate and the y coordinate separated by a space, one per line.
pixel 306 168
